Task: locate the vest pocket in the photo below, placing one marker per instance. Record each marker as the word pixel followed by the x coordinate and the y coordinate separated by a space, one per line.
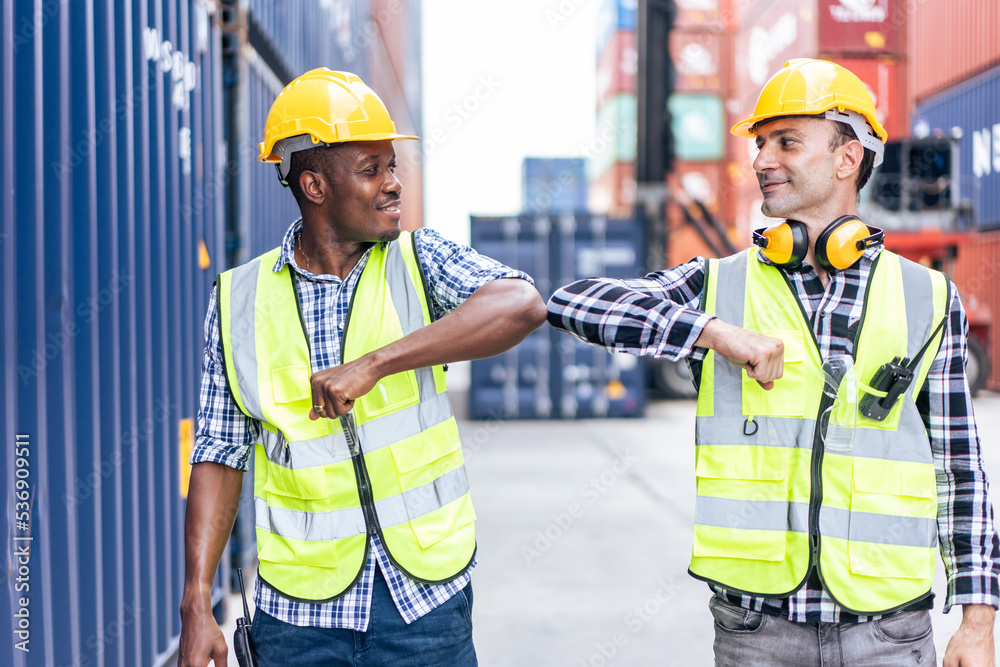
pixel 276 549
pixel 893 520
pixel 788 397
pixel 444 522
pixel 303 484
pixel 290 384
pixel 423 449
pixel 742 498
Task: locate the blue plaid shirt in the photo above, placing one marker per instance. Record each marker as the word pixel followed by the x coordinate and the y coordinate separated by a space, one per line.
pixel 225 435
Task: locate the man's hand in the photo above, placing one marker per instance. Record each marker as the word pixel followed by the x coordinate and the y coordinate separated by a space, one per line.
pixel 335 389
pixel 761 356
pixel 972 644
pixel 201 639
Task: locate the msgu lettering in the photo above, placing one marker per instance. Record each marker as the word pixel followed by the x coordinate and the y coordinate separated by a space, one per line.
pixel 986 151
pixel 169 60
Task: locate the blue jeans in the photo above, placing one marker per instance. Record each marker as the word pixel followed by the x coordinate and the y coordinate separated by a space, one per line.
pixel 748 638
pixel 441 637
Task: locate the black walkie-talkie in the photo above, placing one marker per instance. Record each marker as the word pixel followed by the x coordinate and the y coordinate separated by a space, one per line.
pixel 242 643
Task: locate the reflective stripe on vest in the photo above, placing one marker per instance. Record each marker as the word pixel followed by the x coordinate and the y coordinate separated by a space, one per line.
pixel 311 526
pixel 874 515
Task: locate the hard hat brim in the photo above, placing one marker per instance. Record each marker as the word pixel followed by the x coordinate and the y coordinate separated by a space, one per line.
pixel 385 136
pixel 745 128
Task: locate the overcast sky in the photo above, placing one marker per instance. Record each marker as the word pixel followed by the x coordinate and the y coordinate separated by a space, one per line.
pixel 501 81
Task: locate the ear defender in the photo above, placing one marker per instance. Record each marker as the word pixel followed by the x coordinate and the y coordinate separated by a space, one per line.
pixel 784 244
pixel 844 241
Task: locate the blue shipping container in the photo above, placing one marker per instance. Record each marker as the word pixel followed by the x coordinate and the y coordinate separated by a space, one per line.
pixel 130 179
pixel 613 16
pixel 552 374
pixel 112 230
pixel 553 185
pixel 973 107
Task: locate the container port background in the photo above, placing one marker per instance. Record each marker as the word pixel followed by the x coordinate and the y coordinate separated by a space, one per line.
pixel 130 179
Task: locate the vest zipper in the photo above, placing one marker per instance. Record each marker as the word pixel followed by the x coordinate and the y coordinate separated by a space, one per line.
pixel 816 464
pixel 360 474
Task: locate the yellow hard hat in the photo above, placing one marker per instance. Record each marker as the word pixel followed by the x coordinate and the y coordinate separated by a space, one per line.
pixel 805 86
pixel 323 107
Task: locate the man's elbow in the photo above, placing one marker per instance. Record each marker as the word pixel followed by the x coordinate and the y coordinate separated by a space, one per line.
pixel 533 312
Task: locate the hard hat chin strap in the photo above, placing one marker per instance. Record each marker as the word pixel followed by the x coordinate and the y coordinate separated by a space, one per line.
pixel 866 135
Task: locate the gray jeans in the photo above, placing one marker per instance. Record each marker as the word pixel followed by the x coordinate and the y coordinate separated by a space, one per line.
pixel 749 638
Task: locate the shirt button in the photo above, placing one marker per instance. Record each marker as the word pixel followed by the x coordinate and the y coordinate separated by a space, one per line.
pixel 340 325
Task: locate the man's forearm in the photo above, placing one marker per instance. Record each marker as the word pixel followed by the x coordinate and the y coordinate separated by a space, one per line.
pixel 494 319
pixel 213 499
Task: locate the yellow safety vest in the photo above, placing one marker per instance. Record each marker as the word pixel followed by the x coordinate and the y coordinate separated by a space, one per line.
pixel 318 493
pixel 773 504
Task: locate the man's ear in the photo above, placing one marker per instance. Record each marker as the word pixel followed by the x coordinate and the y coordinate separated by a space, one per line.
pixel 851 153
pixel 315 187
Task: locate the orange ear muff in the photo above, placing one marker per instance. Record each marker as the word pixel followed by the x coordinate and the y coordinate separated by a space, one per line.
pixel 784 244
pixel 844 241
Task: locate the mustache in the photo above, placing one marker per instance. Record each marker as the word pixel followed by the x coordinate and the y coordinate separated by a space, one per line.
pixel 764 179
pixel 394 201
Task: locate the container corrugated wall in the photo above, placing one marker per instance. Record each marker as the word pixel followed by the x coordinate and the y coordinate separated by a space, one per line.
pixel 130 179
pixel 973 107
pixel 111 134
pixel 551 374
pixel 950 41
pixel 976 273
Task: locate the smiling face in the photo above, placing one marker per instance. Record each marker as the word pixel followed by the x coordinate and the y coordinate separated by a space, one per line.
pixel 366 193
pixel 797 170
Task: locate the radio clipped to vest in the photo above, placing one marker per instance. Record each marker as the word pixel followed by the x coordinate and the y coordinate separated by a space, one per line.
pixel 893 378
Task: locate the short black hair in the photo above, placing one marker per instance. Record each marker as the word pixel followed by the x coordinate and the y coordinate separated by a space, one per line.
pixel 841 135
pixel 320 159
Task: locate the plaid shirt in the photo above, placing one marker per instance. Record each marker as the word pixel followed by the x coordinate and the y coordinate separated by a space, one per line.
pixel 225 435
pixel 657 316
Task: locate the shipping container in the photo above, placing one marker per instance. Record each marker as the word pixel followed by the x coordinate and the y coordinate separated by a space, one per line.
pixel 976 272
pixel 613 192
pixel 702 61
pixel 850 28
pixel 885 79
pixel 552 374
pixel 553 185
pixel 771 32
pixel 970 111
pixel 130 134
pixel 950 41
pixel 616 135
pixel 617 67
pixel 698 125
pixel 614 16
pixel 113 229
pixel 710 15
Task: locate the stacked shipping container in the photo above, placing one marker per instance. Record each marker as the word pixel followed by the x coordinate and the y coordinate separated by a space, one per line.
pixel 701 51
pixel 954 91
pixel 611 167
pixel 129 139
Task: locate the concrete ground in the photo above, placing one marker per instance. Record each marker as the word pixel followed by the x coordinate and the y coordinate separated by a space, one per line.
pixel 584 537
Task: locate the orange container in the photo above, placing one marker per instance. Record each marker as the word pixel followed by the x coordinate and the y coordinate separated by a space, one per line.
pixel 950 41
pixel 613 192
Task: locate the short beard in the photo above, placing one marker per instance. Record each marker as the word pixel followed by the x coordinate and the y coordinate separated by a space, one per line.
pixel 389 236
